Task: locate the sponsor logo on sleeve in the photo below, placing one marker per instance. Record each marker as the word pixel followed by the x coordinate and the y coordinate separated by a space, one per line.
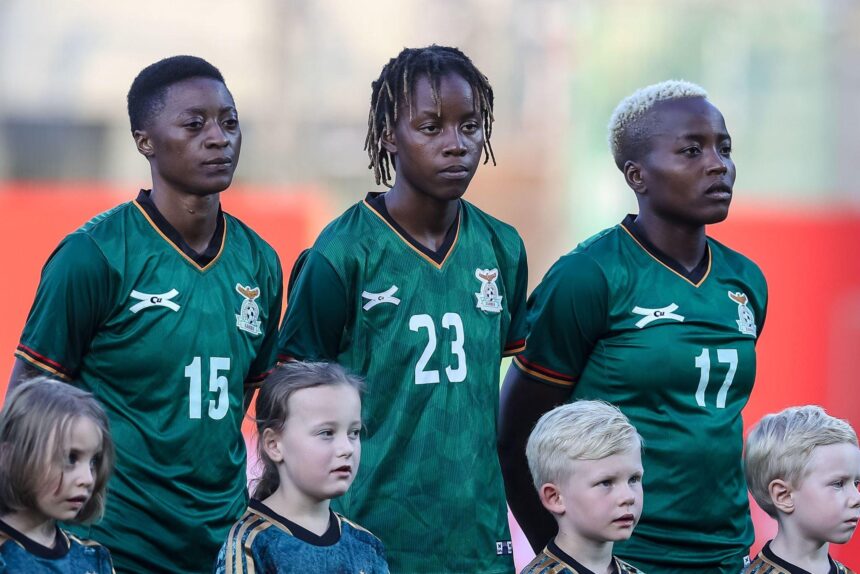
pixel 374 299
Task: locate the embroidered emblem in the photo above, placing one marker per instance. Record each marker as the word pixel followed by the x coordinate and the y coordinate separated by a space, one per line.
pixel 154 300
pixel 488 298
pixel 248 319
pixel 651 315
pixel 374 299
pixel 746 319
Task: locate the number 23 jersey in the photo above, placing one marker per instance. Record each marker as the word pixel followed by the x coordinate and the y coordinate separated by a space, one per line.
pixel 427 333
pixel 675 350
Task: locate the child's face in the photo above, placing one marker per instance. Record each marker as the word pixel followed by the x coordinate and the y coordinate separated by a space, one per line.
pixel 320 444
pixel 827 503
pixel 437 150
pixel 70 486
pixel 603 498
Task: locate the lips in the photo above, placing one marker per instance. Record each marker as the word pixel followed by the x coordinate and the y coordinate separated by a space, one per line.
pixel 343 469
pixel 455 172
pixel 218 161
pixel 719 189
pixel 626 520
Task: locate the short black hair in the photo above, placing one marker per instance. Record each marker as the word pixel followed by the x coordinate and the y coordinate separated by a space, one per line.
pixel 395 85
pixel 146 95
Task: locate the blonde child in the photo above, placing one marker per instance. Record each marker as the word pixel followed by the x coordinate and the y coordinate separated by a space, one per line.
pixel 585 459
pixel 56 455
pixel 308 421
pixel 803 468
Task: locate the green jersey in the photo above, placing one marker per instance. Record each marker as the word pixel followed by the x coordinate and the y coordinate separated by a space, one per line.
pixel 427 330
pixel 617 320
pixel 168 343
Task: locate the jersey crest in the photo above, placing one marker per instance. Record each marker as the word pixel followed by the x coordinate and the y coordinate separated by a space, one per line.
pixel 248 319
pixel 488 297
pixel 746 319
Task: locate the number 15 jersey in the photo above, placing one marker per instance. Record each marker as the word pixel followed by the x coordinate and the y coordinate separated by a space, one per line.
pixel 427 331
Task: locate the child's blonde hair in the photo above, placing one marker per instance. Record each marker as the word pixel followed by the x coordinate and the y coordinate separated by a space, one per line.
pixel 272 407
pixel 583 430
pixel 780 445
pixel 34 425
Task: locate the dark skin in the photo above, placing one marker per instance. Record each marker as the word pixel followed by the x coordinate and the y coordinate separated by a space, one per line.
pixel 436 154
pixel 683 181
pixel 192 144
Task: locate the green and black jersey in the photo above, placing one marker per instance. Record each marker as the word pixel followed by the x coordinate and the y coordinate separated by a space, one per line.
pixel 427 330
pixel 553 560
pixel 168 341
pixel 617 320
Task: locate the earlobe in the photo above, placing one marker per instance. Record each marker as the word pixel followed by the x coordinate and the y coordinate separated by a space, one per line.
pixel 781 494
pixel 143 143
pixel 551 498
pixel 389 142
pixel 633 176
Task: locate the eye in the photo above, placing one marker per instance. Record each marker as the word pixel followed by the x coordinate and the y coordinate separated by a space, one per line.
pixel 606 483
pixel 429 129
pixel 231 123
pixel 355 433
pixel 726 149
pixel 470 127
pixel 326 433
pixel 635 479
pixel 691 151
pixel 193 124
pixel 837 483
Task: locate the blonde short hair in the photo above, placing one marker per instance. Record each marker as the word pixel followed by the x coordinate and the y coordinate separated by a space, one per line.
pixel 34 424
pixel 582 430
pixel 780 445
pixel 625 131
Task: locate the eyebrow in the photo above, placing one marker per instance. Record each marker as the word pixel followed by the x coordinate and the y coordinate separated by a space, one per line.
pixel 698 136
pixel 202 111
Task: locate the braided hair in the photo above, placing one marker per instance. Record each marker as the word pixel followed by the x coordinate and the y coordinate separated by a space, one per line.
pixel 394 88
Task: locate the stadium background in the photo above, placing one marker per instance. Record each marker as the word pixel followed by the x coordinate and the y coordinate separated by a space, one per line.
pixel 783 73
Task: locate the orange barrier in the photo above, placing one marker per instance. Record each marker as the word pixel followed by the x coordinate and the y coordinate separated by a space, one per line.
pixel 809 352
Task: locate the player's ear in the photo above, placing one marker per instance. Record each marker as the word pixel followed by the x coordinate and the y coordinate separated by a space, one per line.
pixel 633 176
pixel 781 494
pixel 389 142
pixel 551 498
pixel 143 143
pixel 272 445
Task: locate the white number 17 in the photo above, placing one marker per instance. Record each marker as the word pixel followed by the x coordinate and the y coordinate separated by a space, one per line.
pixel 703 363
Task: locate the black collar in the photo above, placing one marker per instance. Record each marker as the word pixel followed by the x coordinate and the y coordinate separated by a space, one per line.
pixel 694 276
pixel 567 559
pixel 201 259
pixel 376 201
pixel 788 566
pixel 329 538
pixel 60 549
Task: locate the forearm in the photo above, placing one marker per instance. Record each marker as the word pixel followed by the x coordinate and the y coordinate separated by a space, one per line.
pixel 523 401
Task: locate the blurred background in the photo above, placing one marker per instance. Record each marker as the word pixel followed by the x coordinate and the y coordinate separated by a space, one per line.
pixel 784 74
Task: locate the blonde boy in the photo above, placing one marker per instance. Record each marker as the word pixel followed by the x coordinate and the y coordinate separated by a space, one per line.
pixel 585 459
pixel 802 468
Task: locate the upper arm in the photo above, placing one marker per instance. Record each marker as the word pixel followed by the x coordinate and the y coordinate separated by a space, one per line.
pixel 267 355
pixel 72 301
pixel 515 340
pixel 567 315
pixel 317 312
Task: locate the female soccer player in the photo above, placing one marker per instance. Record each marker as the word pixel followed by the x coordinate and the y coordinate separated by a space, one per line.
pixel 654 316
pixel 421 293
pixel 166 309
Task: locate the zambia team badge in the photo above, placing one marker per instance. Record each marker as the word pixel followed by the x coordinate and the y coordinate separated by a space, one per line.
pixel 488 298
pixel 248 319
pixel 746 319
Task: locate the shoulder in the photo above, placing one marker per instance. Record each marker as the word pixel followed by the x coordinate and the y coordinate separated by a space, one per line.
pixel 89 548
pixel 625 568
pixel 356 531
pixel 842 568
pixel 240 230
pixel 497 227
pixel 736 262
pixel 545 563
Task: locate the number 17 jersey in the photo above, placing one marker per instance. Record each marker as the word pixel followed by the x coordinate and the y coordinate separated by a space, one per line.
pixel 427 331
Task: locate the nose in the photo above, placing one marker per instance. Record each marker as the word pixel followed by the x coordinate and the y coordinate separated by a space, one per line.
pixel 717 163
pixel 85 476
pixel 345 447
pixel 628 495
pixel 216 136
pixel 854 501
pixel 455 144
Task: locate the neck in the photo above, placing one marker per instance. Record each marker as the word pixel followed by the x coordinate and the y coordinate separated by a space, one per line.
pixel 596 556
pixel 195 217
pixel 790 545
pixel 34 525
pixel 425 218
pixel 683 243
pixel 297 506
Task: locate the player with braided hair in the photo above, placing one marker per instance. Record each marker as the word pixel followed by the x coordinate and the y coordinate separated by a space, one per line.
pixel 421 293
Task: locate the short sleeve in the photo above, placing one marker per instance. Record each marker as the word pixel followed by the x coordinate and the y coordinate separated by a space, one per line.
pixel 72 301
pixel 516 336
pixel 567 315
pixel 317 311
pixel 267 355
